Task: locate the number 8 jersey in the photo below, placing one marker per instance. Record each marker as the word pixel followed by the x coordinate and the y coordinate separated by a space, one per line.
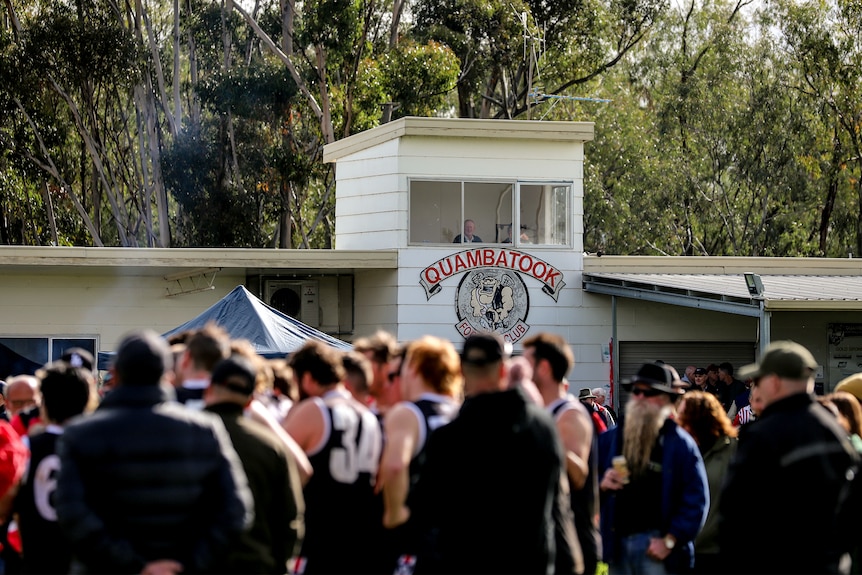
pixel 343 514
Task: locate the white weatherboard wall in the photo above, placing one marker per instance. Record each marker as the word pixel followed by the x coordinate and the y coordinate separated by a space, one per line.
pixel 104 306
pixel 372 212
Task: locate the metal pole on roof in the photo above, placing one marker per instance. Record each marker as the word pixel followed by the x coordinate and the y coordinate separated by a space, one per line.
pixel 765 327
pixel 615 355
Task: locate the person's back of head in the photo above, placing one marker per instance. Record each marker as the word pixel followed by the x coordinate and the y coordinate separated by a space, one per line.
pixel 435 360
pixel 142 358
pixel 483 363
pixel 233 380
pixel 850 408
pixel 79 357
pixel 283 379
pixel 207 346
pixel 555 350
pixel 380 346
pixel 67 391
pixel 357 373
pixel 322 362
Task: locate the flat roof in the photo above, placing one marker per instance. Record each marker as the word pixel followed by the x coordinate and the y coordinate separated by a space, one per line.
pixel 162 261
pixel 459 128
pixel 718 283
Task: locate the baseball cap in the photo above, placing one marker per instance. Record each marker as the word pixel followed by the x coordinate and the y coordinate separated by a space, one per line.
pixel 236 374
pixel 142 358
pixel 485 348
pixel 655 375
pixel 783 358
pixel 700 371
pixel 78 357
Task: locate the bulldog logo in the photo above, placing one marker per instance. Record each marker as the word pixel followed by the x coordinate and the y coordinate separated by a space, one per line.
pixel 491 299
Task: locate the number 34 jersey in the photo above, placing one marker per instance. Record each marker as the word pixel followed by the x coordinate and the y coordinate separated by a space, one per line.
pixel 342 513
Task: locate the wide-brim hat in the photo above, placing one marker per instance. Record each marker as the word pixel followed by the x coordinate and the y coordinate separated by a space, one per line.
pixel 586 393
pixel 654 375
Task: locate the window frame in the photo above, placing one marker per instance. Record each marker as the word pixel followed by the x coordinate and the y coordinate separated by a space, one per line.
pixel 516 185
pixel 49 341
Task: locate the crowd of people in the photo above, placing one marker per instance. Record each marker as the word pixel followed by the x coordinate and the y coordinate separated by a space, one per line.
pixel 197 455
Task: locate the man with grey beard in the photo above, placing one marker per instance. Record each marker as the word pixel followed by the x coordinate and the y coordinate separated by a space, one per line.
pixel 654 492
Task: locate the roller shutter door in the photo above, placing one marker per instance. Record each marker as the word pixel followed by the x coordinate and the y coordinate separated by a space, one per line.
pixel 680 354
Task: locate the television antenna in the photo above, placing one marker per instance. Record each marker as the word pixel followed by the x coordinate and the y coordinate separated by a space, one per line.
pixel 534 49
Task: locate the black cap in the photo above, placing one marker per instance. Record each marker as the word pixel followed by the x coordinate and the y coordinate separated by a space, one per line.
pixel 236 373
pixel 78 357
pixel 142 358
pixel 485 348
pixel 700 371
pixel 654 375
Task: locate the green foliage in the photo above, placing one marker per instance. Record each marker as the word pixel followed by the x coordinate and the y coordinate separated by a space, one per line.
pixel 259 92
pixel 419 76
pixel 729 132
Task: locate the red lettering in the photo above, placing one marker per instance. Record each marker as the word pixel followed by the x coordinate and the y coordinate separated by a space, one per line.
pixel 460 264
pixel 526 263
pixel 474 258
pixel 551 277
pixel 501 260
pixel 488 257
pixel 428 277
pixel 515 256
pixel 538 274
pixel 443 264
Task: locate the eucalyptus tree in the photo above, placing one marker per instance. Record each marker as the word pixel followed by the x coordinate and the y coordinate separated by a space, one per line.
pixel 73 67
pixel 353 69
pixel 821 40
pixel 723 158
pixel 514 54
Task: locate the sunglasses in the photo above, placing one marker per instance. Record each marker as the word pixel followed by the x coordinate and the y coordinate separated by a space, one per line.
pixel 646 392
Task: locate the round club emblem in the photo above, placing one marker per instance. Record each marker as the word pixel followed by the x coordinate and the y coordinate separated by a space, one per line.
pixel 495 300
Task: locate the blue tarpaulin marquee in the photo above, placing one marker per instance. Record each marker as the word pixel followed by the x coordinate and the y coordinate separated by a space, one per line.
pixel 243 316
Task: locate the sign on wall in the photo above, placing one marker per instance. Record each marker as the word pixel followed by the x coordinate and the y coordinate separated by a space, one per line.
pixel 492 294
pixel 845 351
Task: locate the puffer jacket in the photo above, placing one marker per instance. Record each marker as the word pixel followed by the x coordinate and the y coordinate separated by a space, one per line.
pixel 143 479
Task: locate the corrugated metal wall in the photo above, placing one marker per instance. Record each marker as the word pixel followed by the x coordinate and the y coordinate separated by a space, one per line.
pixel 680 354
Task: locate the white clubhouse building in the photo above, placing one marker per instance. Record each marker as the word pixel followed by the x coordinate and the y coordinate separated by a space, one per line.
pixel 403 193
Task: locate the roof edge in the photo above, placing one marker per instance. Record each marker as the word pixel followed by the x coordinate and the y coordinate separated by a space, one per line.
pixel 723 265
pixel 459 128
pixel 39 256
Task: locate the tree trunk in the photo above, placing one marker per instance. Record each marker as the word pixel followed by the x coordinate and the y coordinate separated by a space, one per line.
pixel 288 15
pixel 397 10
pixel 49 209
pixel 831 194
pixel 178 106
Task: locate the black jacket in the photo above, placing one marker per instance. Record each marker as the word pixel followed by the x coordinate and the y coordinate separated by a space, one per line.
pixel 489 489
pixel 273 477
pixel 783 491
pixel 143 479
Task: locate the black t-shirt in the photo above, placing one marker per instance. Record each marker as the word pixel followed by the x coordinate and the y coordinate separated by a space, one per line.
pixel 638 504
